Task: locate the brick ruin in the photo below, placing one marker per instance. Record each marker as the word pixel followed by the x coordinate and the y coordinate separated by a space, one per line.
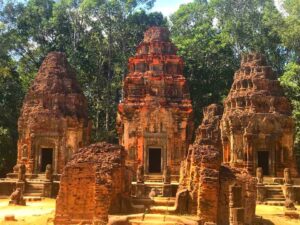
pixel 257 126
pixel 53 123
pixel 92 185
pixel 219 194
pixel 155 117
pixel 210 180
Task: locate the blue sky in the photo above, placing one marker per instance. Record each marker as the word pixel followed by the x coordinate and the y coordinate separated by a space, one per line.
pixel 167 7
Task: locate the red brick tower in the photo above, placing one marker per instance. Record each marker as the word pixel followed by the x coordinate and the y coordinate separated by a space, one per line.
pixel 155 117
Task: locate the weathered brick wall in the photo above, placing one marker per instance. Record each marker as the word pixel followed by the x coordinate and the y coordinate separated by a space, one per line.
pixel 208 181
pixel 156 109
pixel 258 117
pixel 92 185
pixel 230 176
pixel 53 115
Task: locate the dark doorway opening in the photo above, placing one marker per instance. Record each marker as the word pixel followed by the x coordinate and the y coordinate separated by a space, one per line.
pixel 263 161
pixel 47 156
pixel 154 160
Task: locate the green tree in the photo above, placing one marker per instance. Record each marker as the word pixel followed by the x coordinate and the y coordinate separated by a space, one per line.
pixel 290 80
pixel 10 99
pixel 97 36
pixel 249 25
pixel 211 36
pixel 208 55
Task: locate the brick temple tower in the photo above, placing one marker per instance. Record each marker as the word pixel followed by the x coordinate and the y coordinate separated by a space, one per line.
pixel 53 122
pixel 155 117
pixel 257 125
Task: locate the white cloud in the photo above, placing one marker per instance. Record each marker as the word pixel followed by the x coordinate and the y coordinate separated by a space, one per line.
pixel 167 8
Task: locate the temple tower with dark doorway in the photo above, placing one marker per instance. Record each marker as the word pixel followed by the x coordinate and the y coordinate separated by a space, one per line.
pixel 155 117
pixel 257 125
pixel 53 123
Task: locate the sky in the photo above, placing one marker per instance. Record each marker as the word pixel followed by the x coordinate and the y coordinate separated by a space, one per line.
pixel 167 7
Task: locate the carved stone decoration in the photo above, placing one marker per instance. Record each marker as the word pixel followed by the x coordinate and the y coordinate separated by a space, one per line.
pixel 16 168
pixel 208 182
pixel 261 194
pixel 24 152
pixel 259 175
pixel 156 112
pixel 53 116
pixel 182 201
pixel 167 175
pixel 16 198
pixel 21 173
pixel 140 174
pixel 48 173
pixel 289 194
pixel 287 178
pixel 92 185
pixel 152 193
pixel 257 125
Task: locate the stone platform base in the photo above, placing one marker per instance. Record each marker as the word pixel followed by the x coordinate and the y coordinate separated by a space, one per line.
pixel 150 219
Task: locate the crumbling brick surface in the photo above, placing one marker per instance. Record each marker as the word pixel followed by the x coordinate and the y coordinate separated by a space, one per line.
pixel 92 185
pixel 53 115
pixel 257 118
pixel 156 110
pixel 209 182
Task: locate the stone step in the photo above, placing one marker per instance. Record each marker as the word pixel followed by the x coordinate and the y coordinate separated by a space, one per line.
pixel 162 209
pixel 275 199
pixel 33 198
pixel 275 196
pixel 32 189
pixel 273 187
pixel 274 203
pixel 164 201
pixel 157 201
pixel 33 194
pixel 274 190
pixel 155 222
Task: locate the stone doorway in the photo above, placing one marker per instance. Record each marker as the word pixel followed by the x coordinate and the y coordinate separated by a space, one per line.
pixel 46 158
pixel 154 160
pixel 263 161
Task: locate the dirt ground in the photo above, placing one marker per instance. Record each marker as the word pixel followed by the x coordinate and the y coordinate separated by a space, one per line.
pixel 34 213
pixel 274 215
pixel 42 213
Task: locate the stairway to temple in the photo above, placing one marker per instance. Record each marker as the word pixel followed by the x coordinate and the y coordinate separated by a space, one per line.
pixel 160 204
pixel 274 195
pixel 34 189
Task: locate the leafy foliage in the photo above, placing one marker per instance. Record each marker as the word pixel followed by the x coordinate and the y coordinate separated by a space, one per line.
pixel 290 80
pixel 99 36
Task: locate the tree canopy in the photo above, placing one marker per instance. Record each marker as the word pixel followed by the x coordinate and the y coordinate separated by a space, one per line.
pixel 99 37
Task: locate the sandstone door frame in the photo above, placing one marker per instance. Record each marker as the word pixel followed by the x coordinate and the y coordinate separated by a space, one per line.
pixel 271 159
pixel 40 144
pixel 162 160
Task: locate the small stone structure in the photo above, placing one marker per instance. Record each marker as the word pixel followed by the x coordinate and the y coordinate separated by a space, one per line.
pixel 155 117
pixel 16 198
pixel 210 184
pixel 53 123
pixel 257 127
pixel 93 185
